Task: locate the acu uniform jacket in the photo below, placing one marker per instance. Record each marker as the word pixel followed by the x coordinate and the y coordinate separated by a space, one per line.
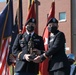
pixel 21 47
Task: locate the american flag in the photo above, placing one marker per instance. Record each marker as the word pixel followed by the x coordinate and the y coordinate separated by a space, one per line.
pixel 4 68
pixel 6 22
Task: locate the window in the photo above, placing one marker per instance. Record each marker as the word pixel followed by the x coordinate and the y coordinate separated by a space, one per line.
pixel 62 16
pixel 2 0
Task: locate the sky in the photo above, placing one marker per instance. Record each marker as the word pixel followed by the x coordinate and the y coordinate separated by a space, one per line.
pixel 2 0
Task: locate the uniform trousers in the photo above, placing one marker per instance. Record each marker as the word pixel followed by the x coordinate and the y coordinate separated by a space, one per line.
pixel 23 73
pixel 62 71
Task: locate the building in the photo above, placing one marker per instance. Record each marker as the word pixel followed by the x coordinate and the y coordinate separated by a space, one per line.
pixel 65 12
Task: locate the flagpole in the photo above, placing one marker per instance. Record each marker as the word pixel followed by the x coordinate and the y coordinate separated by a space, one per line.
pixel 7 1
pixel 19 15
pixel 29 4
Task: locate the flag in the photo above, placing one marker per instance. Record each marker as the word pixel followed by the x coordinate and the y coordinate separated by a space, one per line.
pixel 11 59
pixel 6 22
pixel 29 5
pixel 19 15
pixel 15 30
pixel 4 68
pixel 31 14
pixel 44 64
pixel 8 60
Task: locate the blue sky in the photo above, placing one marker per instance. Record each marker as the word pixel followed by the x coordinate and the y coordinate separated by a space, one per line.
pixel 2 0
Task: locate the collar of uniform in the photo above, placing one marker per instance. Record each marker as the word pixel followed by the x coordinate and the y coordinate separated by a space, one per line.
pixel 29 33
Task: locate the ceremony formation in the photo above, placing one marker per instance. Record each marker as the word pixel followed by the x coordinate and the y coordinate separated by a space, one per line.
pixel 37 37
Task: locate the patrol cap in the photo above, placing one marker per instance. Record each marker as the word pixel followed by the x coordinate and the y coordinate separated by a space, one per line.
pixel 31 20
pixel 52 20
pixel 71 56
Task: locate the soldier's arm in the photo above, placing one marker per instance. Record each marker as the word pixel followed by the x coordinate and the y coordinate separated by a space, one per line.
pixel 16 49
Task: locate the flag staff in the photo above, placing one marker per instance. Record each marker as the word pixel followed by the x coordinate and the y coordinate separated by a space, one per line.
pixel 7 1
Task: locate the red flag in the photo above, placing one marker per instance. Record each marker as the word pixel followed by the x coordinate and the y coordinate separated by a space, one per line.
pixel 44 65
pixel 31 14
pixel 52 11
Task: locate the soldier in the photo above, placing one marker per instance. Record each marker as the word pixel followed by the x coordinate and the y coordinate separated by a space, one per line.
pixel 58 62
pixel 25 53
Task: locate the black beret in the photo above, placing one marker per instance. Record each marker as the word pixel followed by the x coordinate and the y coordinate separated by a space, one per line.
pixel 31 20
pixel 52 20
